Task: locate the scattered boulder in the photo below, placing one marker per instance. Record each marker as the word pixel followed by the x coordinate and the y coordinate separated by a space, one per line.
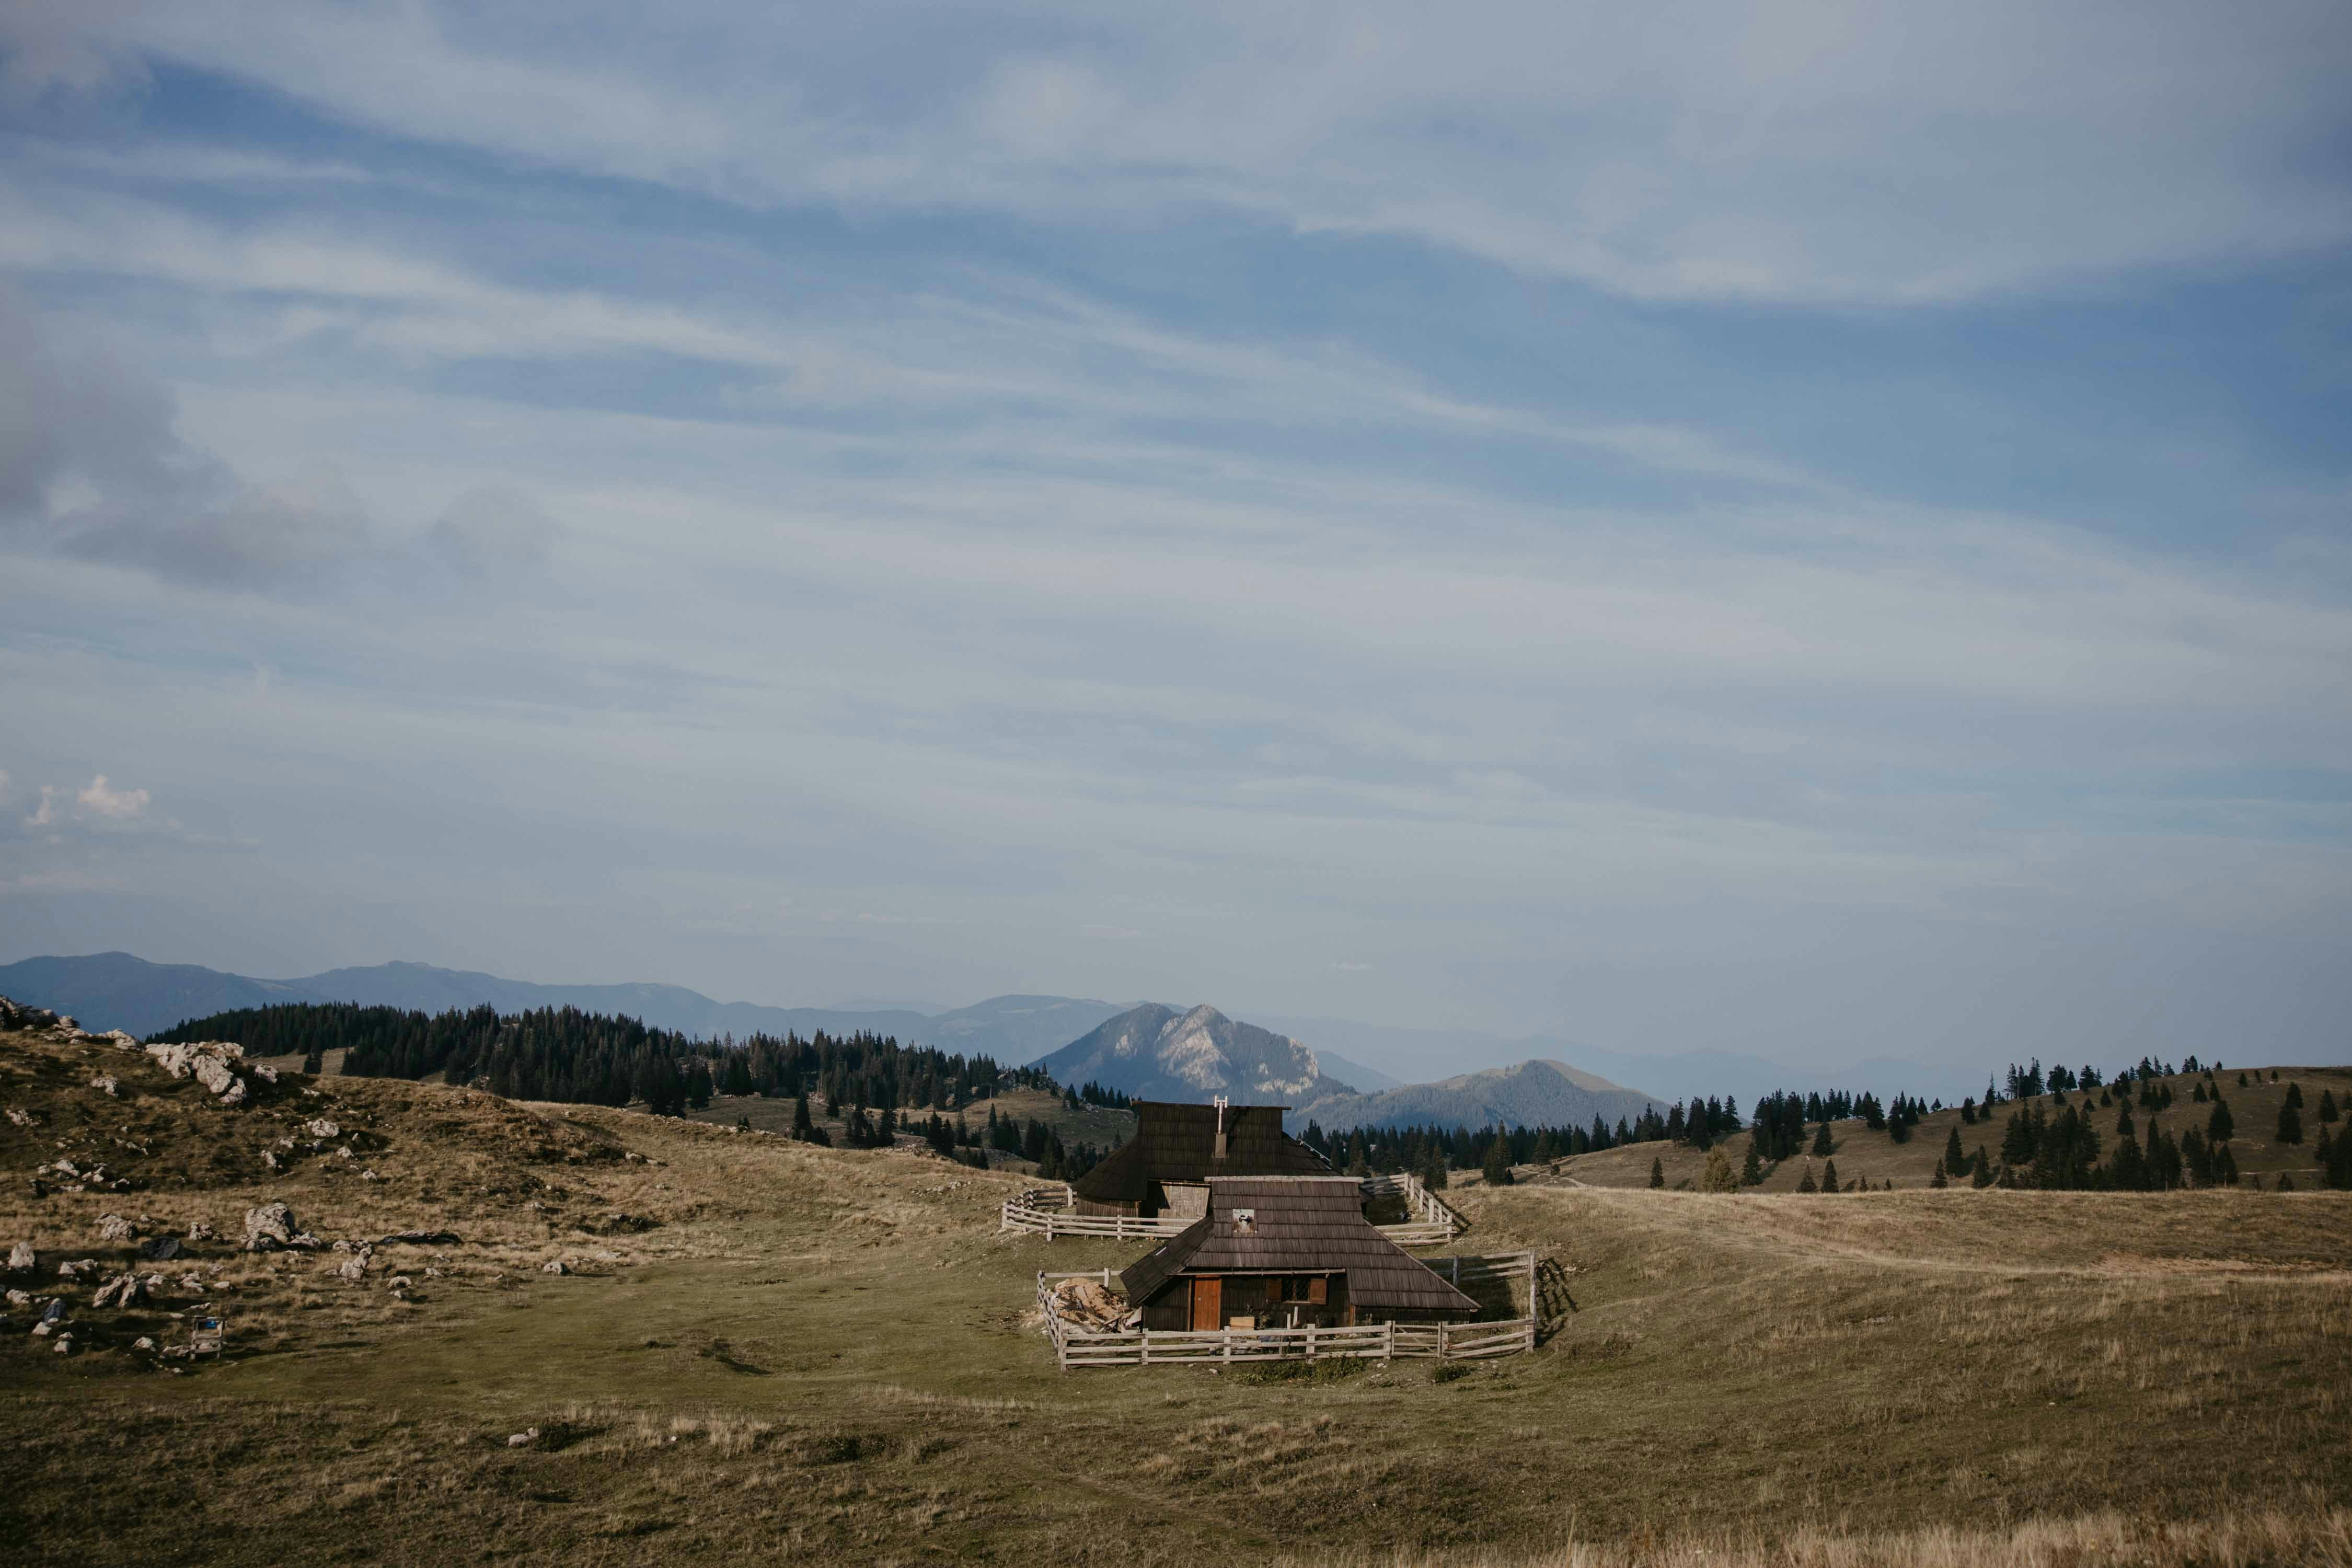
pixel 201 1230
pixel 20 1118
pixel 143 1343
pixel 65 1344
pixel 270 1225
pixel 163 1249
pixel 21 1258
pixel 114 1228
pixel 422 1239
pixel 124 1290
pixel 105 1085
pixel 523 1439
pixel 355 1267
pixel 55 1312
pixel 321 1128
pixel 78 1268
pixel 20 1297
pixel 554 1266
pixel 266 1074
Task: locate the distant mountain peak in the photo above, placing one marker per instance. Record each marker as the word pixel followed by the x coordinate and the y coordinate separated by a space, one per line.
pixel 1158 1052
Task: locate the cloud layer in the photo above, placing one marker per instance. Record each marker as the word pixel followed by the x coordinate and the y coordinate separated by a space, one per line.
pixel 1779 530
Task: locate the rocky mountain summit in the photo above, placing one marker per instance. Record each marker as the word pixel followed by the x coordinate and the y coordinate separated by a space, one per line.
pixel 1154 1052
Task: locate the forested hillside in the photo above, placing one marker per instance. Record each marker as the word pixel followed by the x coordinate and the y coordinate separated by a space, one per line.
pixel 563 1054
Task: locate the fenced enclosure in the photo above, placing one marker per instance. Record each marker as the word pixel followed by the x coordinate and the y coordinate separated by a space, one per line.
pixel 1508 1277
pixel 1051 1210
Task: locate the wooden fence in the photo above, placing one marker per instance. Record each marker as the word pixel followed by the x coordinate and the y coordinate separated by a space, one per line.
pixel 1052 1212
pixel 1076 1346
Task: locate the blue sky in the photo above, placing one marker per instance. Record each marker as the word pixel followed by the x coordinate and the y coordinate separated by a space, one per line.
pixel 1769 528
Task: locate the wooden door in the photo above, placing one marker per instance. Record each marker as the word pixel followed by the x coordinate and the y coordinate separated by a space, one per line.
pixel 1208 1304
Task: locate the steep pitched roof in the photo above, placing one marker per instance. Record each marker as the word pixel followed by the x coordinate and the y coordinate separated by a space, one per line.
pixel 1176 1143
pixel 1300 1225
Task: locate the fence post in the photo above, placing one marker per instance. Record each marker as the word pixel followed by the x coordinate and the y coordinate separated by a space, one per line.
pixel 1387 1340
pixel 1442 1326
pixel 1147 1348
pixel 1310 1341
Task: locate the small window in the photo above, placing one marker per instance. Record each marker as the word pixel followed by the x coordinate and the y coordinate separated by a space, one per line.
pixel 1244 1221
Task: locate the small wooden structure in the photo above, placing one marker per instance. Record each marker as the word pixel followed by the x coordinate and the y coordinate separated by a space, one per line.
pixel 207 1337
pixel 1286 1252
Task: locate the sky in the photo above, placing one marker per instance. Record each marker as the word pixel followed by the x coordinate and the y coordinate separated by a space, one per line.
pixel 1794 529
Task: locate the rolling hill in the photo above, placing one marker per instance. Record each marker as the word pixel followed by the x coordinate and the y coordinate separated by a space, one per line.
pixel 1532 1094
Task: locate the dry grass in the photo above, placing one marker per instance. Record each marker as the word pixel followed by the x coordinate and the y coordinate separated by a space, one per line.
pixel 785 1352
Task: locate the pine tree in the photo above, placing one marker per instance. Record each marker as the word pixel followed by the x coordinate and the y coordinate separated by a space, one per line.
pixel 2327 1111
pixel 2295 1094
pixel 1498 1161
pixel 1937 1179
pixel 1657 1172
pixel 1751 1171
pixel 1954 1158
pixel 1980 1170
pixel 1828 1177
pixel 1821 1139
pixel 2221 1124
pixel 2290 1127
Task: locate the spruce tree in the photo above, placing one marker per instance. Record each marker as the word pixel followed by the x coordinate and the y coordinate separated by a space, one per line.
pixel 1805 1183
pixel 1953 1156
pixel 1751 1171
pixel 1498 1161
pixel 2327 1111
pixel 2295 1094
pixel 1828 1177
pixel 1657 1172
pixel 1821 1138
pixel 2221 1124
pixel 2290 1127
pixel 1937 1179
pixel 1980 1170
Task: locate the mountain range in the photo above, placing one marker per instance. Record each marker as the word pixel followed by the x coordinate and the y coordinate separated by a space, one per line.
pixel 116 990
pixel 1531 1094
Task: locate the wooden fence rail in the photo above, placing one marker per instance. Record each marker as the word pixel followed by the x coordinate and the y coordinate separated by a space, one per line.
pixel 1075 1346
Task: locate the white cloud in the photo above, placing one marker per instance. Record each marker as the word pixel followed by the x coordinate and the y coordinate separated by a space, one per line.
pixel 100 799
pixel 1768 152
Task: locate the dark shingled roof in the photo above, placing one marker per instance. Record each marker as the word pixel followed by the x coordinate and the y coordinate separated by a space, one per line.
pixel 1310 1225
pixel 1175 1142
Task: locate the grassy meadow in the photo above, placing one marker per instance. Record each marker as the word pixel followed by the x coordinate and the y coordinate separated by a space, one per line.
pixel 763 1350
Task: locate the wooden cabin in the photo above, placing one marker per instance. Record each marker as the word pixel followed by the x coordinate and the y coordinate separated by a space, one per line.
pixel 1287 1252
pixel 1177 1149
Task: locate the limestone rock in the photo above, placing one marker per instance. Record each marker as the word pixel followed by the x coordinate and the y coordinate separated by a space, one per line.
pixel 20 1297
pixel 201 1230
pixel 105 1085
pixel 355 1267
pixel 235 1093
pixel 65 1344
pixel 143 1343
pixel 21 1258
pixel 21 1118
pixel 554 1266
pixel 270 1225
pixel 266 1074
pixel 124 1290
pixel 78 1268
pixel 320 1127
pixel 114 1228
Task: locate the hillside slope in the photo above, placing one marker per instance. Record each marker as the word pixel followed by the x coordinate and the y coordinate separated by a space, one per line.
pixel 762 1351
pixel 1862 1154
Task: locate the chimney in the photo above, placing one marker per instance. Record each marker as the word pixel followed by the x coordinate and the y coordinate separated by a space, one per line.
pixel 1220 1103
